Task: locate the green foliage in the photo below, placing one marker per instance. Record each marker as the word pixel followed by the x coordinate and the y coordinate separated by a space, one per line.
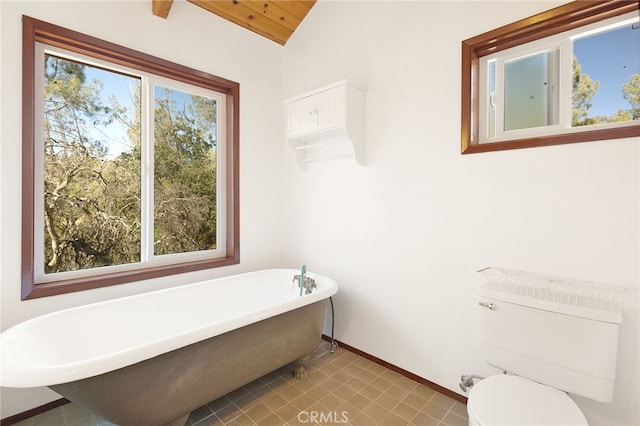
pixel 631 93
pixel 184 176
pixel 583 91
pixel 92 197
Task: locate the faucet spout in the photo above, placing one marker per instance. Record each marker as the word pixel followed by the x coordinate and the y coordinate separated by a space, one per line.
pixel 306 284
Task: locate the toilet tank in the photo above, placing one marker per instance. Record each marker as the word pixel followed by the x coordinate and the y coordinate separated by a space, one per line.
pixel 561 334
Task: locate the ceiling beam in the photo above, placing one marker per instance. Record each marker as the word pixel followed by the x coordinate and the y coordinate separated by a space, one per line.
pixel 161 8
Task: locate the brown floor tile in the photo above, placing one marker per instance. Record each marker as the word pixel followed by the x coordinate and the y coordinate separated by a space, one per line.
pixel 199 414
pixel 274 401
pixel 376 411
pixel 303 402
pixel 355 384
pixel 349 409
pixel 342 388
pixel 212 420
pixel 376 369
pixel 238 394
pixel 218 403
pixel 434 410
pixel 341 376
pixel 442 400
pixel 452 419
pixel 370 392
pixel 353 370
pixel 406 412
pixel 390 376
pixel 406 383
pixel 272 420
pixel 392 419
pixel 332 401
pixel 460 409
pixel 247 402
pixel 289 392
pixel 381 384
pixel 287 412
pixel 318 392
pixel 415 401
pixel 387 401
pixel 343 392
pixel 423 419
pixel 423 392
pixel 362 419
pixel 241 420
pixel 258 412
pixel 228 413
pixel 398 391
pixel 359 401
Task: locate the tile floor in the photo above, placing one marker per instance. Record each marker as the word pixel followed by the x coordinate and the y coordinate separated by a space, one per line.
pixel 342 388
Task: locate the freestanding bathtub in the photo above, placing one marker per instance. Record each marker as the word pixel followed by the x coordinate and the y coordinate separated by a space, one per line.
pixel 151 359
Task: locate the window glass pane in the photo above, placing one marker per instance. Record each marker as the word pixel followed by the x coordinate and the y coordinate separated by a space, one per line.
pixel 606 76
pixel 185 133
pixel 491 98
pixel 529 91
pixel 92 166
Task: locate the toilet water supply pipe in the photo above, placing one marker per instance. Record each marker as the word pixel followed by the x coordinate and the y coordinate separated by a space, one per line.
pixel 466 381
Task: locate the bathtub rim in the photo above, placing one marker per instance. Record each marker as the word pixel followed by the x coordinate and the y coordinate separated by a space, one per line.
pixel 17 374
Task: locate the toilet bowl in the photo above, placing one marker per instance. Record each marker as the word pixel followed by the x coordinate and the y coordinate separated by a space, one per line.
pixel 512 400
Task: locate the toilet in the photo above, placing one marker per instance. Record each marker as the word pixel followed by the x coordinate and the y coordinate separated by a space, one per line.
pixel 551 340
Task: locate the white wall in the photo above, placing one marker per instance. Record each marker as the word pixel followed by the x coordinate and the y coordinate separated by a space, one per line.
pixel 404 234
pixel 192 37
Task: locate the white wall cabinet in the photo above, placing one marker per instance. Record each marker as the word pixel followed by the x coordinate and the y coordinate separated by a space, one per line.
pixel 327 123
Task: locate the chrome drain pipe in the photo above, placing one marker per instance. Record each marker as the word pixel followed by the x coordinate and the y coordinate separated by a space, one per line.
pixel 466 381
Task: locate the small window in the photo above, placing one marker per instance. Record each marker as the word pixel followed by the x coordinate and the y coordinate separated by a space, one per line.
pixel 130 167
pixel 572 76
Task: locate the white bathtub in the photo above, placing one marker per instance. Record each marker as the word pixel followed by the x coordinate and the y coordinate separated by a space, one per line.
pixel 75 344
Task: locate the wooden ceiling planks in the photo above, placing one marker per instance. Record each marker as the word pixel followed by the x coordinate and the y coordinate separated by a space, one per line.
pixel 161 8
pixel 273 19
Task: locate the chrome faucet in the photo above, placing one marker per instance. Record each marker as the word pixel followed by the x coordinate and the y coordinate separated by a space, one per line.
pixel 306 284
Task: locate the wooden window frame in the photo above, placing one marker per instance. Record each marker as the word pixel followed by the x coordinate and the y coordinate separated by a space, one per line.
pixel 34 31
pixel 560 19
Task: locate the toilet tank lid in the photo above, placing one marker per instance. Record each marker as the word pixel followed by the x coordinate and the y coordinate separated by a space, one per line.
pixel 576 298
pixel 507 399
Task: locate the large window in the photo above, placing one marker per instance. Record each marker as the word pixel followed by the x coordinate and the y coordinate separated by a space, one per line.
pixel 571 74
pixel 130 165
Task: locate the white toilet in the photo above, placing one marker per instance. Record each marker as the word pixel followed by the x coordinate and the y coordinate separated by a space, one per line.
pixel 550 340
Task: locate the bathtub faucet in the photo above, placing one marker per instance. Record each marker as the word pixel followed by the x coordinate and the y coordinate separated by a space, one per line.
pixel 306 284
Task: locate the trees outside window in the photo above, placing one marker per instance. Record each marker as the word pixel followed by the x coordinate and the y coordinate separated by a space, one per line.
pixel 130 165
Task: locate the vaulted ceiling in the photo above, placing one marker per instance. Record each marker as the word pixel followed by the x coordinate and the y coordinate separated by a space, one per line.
pixel 273 19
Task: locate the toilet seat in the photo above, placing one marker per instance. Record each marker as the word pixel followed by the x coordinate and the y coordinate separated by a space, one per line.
pixel 512 400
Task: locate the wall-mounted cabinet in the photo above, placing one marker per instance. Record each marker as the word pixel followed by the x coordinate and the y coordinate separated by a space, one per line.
pixel 327 123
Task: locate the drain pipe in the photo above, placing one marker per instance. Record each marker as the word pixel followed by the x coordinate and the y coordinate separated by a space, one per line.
pixel 466 381
pixel 334 345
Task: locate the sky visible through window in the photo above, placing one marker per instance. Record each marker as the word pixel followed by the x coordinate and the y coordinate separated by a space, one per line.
pixel 121 89
pixel 611 58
